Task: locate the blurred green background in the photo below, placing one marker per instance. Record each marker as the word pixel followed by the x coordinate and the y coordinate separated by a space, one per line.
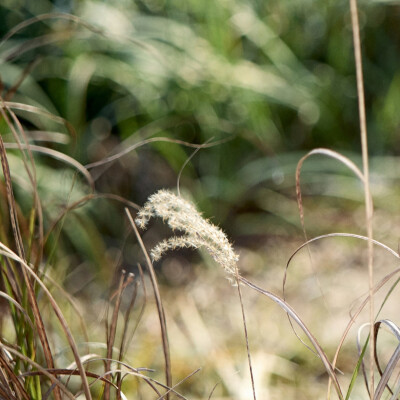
pixel 270 80
pixel 273 79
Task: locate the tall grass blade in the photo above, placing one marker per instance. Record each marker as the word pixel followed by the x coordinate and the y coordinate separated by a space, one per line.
pixel 127 314
pixel 368 200
pixel 246 336
pixel 142 309
pixel 113 329
pixel 120 153
pixel 178 179
pixel 386 375
pixel 179 383
pixel 356 370
pixel 19 307
pixel 40 111
pixel 57 155
pixel 329 153
pixel 160 308
pixel 292 313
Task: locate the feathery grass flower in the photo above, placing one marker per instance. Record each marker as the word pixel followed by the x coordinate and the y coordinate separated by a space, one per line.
pixel 182 216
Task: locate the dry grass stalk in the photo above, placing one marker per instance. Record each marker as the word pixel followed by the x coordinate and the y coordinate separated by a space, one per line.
pixel 21 252
pixel 160 307
pixel 112 330
pixel 368 201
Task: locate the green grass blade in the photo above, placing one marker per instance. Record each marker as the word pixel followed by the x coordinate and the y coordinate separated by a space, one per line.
pixel 356 370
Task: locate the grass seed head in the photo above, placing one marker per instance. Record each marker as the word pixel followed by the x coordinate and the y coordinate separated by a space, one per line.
pixel 182 216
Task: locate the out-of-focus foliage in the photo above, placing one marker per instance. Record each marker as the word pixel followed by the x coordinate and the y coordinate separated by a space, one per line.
pixel 270 78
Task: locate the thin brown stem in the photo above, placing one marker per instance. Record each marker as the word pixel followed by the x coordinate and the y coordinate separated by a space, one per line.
pixel 160 308
pixel 246 335
pixel 368 200
pixel 112 331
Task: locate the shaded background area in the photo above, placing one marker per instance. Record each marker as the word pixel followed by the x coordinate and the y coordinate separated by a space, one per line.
pixel 270 80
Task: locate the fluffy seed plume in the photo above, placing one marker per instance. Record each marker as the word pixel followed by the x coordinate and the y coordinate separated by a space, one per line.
pixel 182 216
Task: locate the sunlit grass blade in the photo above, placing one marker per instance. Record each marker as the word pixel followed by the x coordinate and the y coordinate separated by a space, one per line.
pixel 112 328
pixel 369 208
pixel 329 153
pixel 292 313
pixel 58 156
pixel 386 375
pixel 356 370
pixel 41 112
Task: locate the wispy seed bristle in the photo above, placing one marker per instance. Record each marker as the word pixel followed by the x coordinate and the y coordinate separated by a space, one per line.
pixel 181 215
